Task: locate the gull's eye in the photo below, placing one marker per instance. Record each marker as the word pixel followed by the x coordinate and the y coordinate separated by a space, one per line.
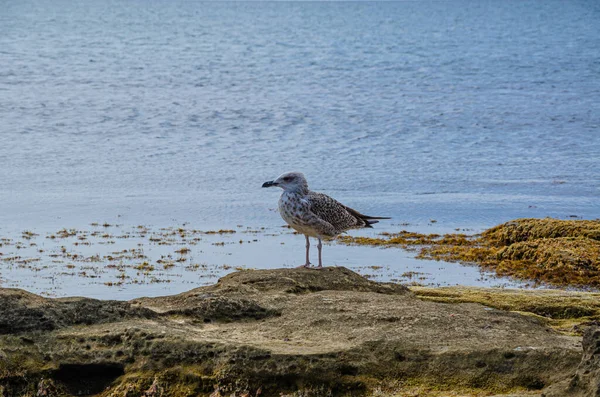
pixel 287 178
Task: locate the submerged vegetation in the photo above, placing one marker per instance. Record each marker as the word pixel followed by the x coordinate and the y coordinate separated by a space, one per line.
pixel 113 255
pixel 558 252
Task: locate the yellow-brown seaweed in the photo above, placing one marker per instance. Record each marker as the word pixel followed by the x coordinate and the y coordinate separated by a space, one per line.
pixel 558 252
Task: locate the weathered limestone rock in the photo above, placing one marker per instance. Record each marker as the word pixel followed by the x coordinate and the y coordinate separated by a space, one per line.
pixel 302 331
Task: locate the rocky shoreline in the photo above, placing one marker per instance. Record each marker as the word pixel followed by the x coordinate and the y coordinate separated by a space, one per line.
pixel 287 331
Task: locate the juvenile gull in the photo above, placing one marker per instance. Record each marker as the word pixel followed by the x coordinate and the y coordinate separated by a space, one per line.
pixel 315 214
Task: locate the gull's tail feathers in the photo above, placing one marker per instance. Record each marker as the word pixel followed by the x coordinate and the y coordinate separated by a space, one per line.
pixel 366 219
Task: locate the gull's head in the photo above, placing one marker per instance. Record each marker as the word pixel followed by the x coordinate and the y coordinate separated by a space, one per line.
pixel 290 182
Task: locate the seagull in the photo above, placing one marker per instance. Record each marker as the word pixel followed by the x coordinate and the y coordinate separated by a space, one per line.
pixel 315 214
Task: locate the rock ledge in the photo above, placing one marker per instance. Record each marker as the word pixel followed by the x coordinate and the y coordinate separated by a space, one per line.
pixel 268 332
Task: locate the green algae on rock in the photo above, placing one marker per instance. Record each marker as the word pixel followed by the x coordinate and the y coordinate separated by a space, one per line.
pixel 559 252
pixel 568 312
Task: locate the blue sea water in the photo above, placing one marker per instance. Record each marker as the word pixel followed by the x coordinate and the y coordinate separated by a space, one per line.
pixel 469 113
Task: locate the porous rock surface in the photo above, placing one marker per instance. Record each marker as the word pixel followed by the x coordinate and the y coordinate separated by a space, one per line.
pixel 586 380
pixel 272 332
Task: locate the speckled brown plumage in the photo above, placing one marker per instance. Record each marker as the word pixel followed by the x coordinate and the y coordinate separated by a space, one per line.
pixel 330 210
pixel 315 214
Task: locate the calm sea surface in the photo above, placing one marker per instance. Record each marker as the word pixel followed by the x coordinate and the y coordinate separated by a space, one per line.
pixel 164 113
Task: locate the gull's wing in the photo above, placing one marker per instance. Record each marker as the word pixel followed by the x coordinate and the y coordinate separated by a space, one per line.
pixel 335 213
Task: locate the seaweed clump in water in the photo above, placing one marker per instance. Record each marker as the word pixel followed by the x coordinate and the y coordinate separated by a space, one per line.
pixel 559 252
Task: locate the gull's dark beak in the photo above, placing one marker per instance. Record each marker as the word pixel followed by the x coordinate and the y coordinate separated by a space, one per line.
pixel 269 184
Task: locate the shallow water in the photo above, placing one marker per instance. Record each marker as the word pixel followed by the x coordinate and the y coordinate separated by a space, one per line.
pixel 163 113
pixel 116 261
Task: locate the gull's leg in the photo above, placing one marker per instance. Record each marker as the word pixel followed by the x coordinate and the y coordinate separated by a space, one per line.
pixel 319 246
pixel 307 264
